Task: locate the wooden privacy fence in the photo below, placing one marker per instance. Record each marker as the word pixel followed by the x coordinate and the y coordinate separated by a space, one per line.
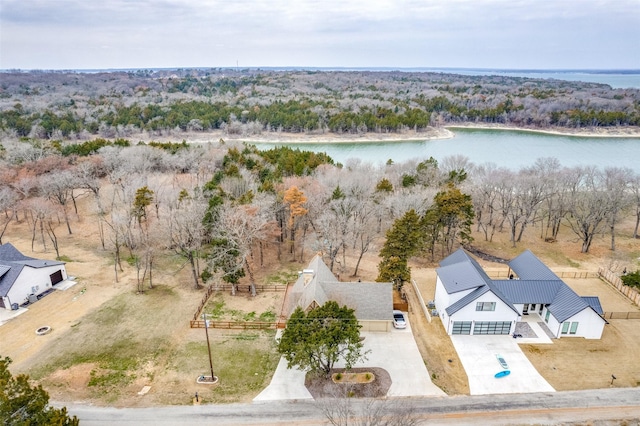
pixel 621 315
pixel 613 279
pixel 561 274
pixel 240 325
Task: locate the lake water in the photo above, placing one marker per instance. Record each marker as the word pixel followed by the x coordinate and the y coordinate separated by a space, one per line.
pixel 511 149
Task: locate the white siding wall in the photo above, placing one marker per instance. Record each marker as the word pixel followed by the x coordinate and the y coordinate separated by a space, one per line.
pixel 590 325
pixel 503 311
pixel 31 279
pixel 553 323
pixel 444 300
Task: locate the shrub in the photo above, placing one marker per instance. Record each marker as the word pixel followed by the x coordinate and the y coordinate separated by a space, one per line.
pixel 632 279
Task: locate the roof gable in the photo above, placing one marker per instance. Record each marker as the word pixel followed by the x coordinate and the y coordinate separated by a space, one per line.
pixel 11 264
pixel 528 267
pixel 370 301
pixel 455 307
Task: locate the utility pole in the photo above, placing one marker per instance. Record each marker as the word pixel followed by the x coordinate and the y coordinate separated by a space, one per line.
pixel 206 331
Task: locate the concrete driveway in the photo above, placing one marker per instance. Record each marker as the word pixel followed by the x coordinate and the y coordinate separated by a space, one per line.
pixel 395 351
pixel 478 356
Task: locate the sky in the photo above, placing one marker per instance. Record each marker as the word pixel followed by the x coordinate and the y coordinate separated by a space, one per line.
pixel 495 34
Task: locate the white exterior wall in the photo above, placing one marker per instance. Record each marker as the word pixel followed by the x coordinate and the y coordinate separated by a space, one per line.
pixel 503 312
pixel 590 325
pixel 443 300
pixel 553 323
pixel 31 279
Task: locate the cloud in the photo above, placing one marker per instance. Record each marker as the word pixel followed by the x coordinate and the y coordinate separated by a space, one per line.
pixel 505 33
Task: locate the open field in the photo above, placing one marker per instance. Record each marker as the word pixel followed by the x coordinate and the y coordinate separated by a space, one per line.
pixel 108 342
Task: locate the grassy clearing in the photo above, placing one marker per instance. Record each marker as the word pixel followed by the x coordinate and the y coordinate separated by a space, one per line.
pixel 244 364
pixel 223 308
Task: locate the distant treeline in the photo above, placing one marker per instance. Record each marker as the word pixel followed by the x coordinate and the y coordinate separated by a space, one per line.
pixel 69 105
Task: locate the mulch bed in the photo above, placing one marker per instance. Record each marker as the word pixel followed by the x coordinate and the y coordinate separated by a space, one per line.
pixel 321 387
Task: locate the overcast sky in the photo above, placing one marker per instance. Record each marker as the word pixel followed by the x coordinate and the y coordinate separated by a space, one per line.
pixel 533 34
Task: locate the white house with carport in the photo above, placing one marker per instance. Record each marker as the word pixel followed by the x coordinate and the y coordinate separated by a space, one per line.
pixel 469 302
pixel 23 278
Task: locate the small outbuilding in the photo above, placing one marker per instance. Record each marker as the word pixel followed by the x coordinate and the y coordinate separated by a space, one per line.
pixel 24 278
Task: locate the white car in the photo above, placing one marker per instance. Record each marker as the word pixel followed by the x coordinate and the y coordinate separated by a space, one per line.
pixel 398 319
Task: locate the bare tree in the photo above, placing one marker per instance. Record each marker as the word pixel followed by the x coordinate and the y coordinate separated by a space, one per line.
pixel 635 190
pixel 241 228
pixel 8 200
pixel 588 206
pixel 343 410
pixel 58 187
pixel 617 183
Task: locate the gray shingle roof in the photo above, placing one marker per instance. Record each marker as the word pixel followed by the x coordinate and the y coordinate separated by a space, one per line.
pixel 371 301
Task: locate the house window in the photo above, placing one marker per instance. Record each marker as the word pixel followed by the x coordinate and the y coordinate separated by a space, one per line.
pixel 574 328
pixel 565 327
pixel 486 306
pixel 546 317
pixel 461 327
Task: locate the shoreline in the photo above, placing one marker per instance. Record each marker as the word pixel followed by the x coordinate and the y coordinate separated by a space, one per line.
pixel 433 133
pixel 604 132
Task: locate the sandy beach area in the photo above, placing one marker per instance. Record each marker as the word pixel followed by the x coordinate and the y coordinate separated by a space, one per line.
pixel 429 134
pixel 592 132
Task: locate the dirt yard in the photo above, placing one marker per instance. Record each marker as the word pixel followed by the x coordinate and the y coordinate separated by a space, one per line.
pixel 107 342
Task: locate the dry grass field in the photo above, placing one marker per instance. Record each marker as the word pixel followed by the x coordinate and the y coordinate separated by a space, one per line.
pixel 108 342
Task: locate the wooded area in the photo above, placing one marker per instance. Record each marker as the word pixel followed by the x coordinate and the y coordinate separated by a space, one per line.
pixel 71 105
pixel 219 205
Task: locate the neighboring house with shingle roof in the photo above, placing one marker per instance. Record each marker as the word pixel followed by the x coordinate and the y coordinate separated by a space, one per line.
pixel 469 302
pixel 22 276
pixel 372 302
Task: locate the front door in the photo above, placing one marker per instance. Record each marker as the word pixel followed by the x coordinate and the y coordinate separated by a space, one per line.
pixel 525 309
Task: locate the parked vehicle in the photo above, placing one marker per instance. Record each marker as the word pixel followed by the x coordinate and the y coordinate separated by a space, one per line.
pixel 399 320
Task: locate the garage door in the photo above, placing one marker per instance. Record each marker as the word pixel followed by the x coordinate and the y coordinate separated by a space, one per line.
pixel 461 327
pixel 492 327
pixel 56 277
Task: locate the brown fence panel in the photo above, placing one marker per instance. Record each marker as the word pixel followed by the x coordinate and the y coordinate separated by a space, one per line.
pixel 401 306
pixel 622 315
pixel 239 325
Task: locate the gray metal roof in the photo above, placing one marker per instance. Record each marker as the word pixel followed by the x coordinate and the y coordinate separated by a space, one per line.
pixel 460 277
pixel 566 304
pixel 537 284
pixel 462 272
pixel 594 302
pixel 528 267
pixel 455 307
pixel 11 264
pixel 529 291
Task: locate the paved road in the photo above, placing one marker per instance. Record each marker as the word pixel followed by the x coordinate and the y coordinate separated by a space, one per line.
pixel 535 408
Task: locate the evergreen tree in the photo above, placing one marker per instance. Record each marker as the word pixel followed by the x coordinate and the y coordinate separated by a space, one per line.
pixel 318 339
pixel 404 239
pixel 24 405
